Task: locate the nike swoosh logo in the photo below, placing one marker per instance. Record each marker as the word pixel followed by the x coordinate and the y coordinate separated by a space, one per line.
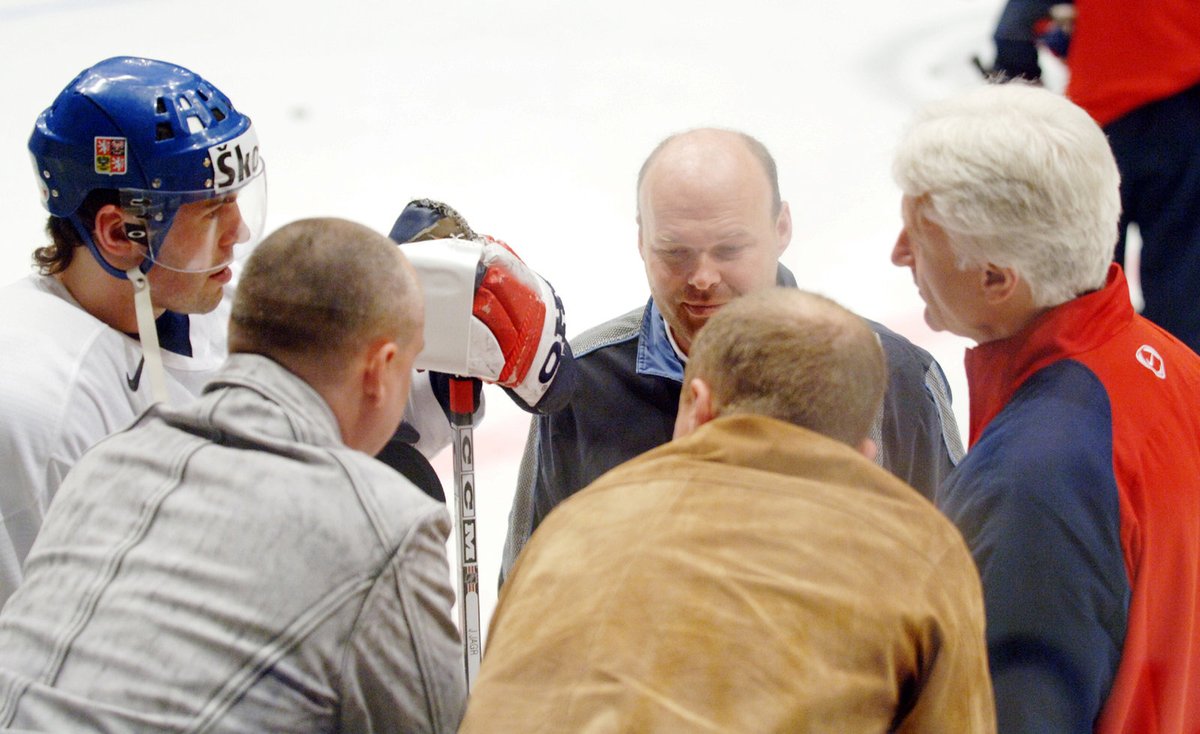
pixel 136 380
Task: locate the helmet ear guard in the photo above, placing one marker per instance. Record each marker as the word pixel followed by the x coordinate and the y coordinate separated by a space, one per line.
pixel 160 135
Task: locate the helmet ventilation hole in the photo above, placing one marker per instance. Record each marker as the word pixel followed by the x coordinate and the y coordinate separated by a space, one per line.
pixel 142 126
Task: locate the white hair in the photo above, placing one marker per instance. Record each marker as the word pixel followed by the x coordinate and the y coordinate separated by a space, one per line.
pixel 1020 177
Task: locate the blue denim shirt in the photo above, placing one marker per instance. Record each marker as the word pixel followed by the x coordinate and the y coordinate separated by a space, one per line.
pixel 655 354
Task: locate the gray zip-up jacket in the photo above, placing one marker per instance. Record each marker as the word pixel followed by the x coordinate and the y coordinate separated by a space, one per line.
pixel 232 566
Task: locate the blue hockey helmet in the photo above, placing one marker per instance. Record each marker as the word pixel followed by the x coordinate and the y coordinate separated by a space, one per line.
pixel 162 137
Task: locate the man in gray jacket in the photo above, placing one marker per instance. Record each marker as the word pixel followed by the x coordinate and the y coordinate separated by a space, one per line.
pixel 243 564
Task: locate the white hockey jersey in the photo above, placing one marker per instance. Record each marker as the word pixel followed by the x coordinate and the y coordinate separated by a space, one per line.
pixel 67 380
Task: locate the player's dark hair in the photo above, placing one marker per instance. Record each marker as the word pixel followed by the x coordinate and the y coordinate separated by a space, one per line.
pixel 64 240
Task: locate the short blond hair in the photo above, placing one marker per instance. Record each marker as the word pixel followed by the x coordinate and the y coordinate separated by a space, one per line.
pixel 319 289
pixel 794 356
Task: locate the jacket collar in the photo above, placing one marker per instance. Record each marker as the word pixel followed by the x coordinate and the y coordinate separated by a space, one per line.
pixel 996 369
pixel 655 353
pixel 310 419
pixel 759 442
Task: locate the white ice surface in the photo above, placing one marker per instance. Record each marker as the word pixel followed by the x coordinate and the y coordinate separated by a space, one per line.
pixel 532 117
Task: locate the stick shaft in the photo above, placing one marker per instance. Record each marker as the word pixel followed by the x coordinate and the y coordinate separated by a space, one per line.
pixel 462 413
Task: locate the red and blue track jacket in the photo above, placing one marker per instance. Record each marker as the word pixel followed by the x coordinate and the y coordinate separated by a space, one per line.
pixel 1123 54
pixel 1080 501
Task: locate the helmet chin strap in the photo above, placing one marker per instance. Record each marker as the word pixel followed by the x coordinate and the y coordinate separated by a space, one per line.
pixel 148 334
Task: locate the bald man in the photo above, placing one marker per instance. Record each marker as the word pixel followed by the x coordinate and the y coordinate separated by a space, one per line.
pixel 711 227
pixel 243 564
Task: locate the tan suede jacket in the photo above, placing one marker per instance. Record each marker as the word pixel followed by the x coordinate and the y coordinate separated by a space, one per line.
pixel 751 577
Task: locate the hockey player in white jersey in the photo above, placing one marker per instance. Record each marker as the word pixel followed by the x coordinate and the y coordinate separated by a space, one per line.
pixel 153 171
pixel 159 177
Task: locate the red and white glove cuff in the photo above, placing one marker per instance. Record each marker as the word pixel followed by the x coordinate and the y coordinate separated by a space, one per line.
pixel 519 309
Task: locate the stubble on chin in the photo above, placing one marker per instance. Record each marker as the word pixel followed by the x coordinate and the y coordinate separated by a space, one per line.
pixel 684 329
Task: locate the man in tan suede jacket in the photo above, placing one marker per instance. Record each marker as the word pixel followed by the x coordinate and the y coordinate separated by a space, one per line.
pixel 758 573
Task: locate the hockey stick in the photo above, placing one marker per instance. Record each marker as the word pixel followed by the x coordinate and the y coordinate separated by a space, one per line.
pixel 978 64
pixel 462 414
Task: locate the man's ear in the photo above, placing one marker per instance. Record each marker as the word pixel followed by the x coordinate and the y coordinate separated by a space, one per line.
pixel 783 227
pixel 640 249
pixel 108 232
pixel 695 407
pixel 998 283
pixel 377 364
pixel 868 448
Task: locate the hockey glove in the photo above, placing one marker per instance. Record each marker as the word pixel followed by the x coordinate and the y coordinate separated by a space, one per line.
pixel 516 336
pixel 1025 25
